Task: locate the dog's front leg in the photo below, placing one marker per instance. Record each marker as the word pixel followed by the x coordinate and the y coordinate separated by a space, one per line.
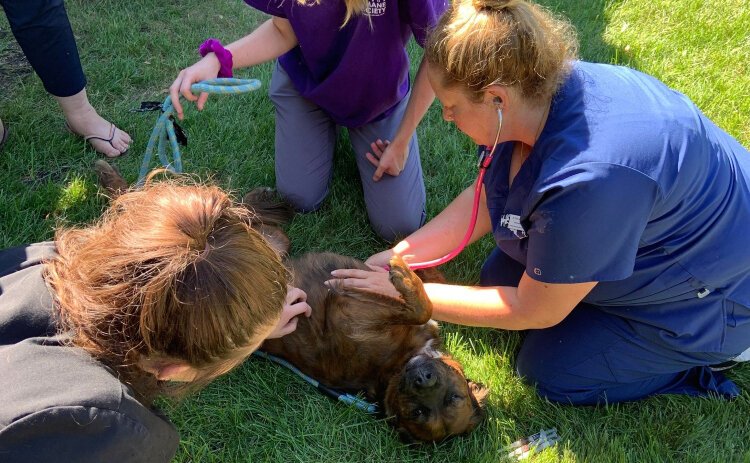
pixel 418 308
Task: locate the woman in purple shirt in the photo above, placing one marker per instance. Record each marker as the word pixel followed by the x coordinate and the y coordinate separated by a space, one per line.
pixel 340 64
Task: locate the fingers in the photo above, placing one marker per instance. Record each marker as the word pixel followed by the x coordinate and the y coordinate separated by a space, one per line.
pixel 185 91
pixel 286 329
pixel 350 273
pixel 380 259
pixel 379 172
pixel 377 268
pixel 174 94
pixel 385 161
pixel 347 283
pixel 380 145
pixel 295 295
pixel 373 160
pixel 376 282
pixel 298 308
pixel 202 101
pixel 181 86
pixel 353 278
pixel 294 305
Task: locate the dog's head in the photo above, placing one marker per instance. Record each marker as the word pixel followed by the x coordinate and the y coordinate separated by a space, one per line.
pixel 431 399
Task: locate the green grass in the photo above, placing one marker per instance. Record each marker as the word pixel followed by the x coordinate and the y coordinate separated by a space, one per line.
pixel 132 50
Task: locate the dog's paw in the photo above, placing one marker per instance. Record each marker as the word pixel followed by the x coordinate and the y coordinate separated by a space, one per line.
pixel 110 178
pixel 402 278
pixel 408 284
pixel 259 195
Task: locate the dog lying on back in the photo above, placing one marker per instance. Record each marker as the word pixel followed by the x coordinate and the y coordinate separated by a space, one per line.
pixel 358 341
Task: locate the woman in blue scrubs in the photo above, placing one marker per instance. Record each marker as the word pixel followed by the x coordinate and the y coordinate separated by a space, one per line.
pixel 619 210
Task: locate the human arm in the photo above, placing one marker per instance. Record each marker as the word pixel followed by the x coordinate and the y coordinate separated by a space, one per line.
pixel 270 40
pixel 533 305
pixel 294 305
pixel 441 234
pixel 390 156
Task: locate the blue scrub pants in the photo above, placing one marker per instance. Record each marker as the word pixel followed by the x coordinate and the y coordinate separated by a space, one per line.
pixel 43 31
pixel 305 142
pixel 595 357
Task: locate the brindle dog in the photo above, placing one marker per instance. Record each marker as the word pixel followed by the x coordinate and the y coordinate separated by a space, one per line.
pixel 359 341
pixel 362 342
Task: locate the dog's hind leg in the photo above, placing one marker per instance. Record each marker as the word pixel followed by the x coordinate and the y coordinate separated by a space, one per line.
pixel 269 207
pixel 272 212
pixel 275 237
pixel 110 179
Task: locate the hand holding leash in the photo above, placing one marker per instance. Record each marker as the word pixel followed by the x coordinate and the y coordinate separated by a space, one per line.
pixel 205 69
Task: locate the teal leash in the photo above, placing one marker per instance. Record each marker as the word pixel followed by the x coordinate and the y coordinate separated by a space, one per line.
pixel 164 132
pixel 348 399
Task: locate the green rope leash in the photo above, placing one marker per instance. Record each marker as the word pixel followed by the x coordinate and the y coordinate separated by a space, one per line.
pixel 164 132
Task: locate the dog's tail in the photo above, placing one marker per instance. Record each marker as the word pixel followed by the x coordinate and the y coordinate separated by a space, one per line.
pixel 268 206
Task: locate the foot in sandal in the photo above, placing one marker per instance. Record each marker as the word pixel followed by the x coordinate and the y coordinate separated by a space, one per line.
pixel 82 119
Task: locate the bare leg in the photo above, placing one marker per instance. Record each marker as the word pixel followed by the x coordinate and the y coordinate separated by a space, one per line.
pixel 83 120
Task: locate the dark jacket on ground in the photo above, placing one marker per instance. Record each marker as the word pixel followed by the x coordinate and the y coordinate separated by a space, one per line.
pixel 56 402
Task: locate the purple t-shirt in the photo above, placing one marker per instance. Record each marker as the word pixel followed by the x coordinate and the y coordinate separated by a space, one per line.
pixel 358 73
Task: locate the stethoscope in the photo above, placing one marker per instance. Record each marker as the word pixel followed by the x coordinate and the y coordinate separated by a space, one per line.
pixel 485 158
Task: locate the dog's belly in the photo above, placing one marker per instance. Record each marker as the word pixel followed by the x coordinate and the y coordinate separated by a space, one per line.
pixel 333 345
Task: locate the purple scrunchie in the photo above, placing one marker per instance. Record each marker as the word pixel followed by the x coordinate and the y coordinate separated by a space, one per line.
pixel 222 54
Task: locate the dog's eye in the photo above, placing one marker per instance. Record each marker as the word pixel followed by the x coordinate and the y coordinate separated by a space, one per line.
pixel 453 398
pixel 418 412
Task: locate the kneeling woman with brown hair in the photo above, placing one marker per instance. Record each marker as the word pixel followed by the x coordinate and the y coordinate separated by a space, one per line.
pixel 168 290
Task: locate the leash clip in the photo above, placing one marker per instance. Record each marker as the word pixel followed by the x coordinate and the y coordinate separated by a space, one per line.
pixel 147 106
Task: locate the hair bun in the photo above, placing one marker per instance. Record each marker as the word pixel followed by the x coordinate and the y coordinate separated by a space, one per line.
pixel 493 5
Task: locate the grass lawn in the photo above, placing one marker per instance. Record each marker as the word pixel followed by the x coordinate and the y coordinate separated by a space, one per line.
pixel 132 50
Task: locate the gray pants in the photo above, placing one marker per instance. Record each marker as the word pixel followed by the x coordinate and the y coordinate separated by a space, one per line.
pixel 305 141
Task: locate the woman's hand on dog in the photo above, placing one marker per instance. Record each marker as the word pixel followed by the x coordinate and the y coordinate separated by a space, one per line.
pixel 294 305
pixel 374 281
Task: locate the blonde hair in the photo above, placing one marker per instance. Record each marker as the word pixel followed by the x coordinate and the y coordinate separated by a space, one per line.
pixel 172 272
pixel 512 43
pixel 353 8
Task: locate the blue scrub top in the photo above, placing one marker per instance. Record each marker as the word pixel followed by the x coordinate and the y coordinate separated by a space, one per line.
pixel 630 185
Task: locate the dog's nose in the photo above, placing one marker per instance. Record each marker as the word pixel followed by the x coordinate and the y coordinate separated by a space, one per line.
pixel 425 378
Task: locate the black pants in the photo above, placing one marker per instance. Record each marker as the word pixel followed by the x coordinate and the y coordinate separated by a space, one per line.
pixel 43 31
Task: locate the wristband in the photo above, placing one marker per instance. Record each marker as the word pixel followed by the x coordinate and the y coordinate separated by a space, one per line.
pixel 222 54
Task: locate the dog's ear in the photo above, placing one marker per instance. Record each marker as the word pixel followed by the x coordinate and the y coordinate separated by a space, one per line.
pixel 478 394
pixel 403 434
pixel 405 437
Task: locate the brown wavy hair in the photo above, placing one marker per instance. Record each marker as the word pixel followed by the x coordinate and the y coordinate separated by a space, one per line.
pixel 172 271
pixel 512 43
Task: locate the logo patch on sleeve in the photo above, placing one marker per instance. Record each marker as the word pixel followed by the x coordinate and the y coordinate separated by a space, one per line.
pixel 513 223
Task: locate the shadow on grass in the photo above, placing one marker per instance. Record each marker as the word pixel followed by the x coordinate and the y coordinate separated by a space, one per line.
pixel 13 64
